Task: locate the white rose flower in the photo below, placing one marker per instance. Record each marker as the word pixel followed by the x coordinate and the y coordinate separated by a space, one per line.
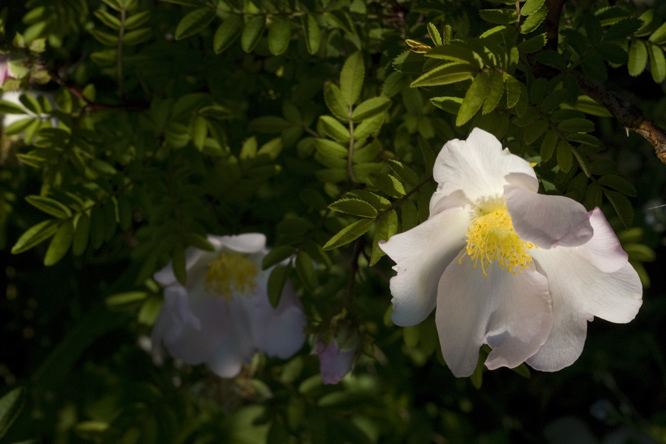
pixel 520 271
pixel 222 316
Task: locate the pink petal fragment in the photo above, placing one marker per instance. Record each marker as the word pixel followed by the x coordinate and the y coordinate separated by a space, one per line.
pixel 421 255
pixel 509 312
pixel 334 364
pixel 547 221
pixel 478 166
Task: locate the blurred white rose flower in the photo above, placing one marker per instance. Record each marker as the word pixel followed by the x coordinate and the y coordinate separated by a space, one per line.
pixel 223 315
pixel 506 266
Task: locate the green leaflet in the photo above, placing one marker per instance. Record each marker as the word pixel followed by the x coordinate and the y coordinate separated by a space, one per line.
pixel 193 23
pixel 348 234
pixel 279 34
pixel 474 98
pixel 227 33
pixel 445 74
pixel 60 243
pixel 351 78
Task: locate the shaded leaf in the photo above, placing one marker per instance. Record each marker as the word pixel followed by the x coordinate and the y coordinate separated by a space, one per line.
pixel 356 207
pixel 474 98
pixel 349 233
pixel 387 226
pixel 60 243
pixel 351 78
pixel 227 33
pixel 194 22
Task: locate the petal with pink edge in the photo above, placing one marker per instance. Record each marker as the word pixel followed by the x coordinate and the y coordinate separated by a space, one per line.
pixel 478 166
pixel 603 250
pixel 509 312
pixel 547 221
pixel 421 255
pixel 334 364
pixel 580 291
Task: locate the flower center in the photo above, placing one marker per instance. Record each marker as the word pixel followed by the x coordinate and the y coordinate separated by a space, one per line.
pixel 491 236
pixel 229 273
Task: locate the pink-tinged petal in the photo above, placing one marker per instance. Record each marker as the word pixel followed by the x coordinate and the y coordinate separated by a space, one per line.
pixel 580 291
pixel 177 302
pixel 509 312
pixel 334 364
pixel 243 243
pixel 603 250
pixel 421 255
pixel 478 166
pixel 547 221
pixel 279 331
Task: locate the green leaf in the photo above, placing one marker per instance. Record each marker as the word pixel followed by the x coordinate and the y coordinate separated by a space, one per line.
pixel 435 36
pixel 623 29
pixel 533 20
pixel 593 28
pixel 306 272
pixel 276 282
pixel 194 22
pixel 533 44
pixel 658 37
pixel 583 138
pixel 10 108
pixel 404 172
pixel 638 57
pixel 474 98
pixel 593 196
pixel 35 235
pixel 60 243
pixel 198 241
pixel 495 92
pixel 612 53
pixel 576 125
pixel 622 206
pixel 564 156
pixel 108 19
pixel 548 145
pixel 277 255
pixel 356 207
pixel 371 108
pixel 81 235
pixel 279 34
pixel 618 183
pixel 499 16
pixel 50 206
pixel 368 127
pixel 199 128
pixel 531 6
pixel 534 130
pixel 11 405
pixel 595 67
pixel 96 227
pixel 330 148
pixel 227 33
pixel 334 129
pixel 105 38
pixel 149 310
pixel 455 53
pixel 349 233
pixel 136 20
pixel 387 226
pixel 179 265
pixel 449 104
pixel 254 28
pixel 445 74
pixel 351 78
pixel 553 59
pixel 138 36
pixel 269 124
pixel 312 33
pixel 336 102
pixel 513 90
pixel 123 300
pixel 657 63
pixel 394 83
pixel 18 126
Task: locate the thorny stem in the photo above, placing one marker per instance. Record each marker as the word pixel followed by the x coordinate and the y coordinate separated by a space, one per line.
pixel 628 114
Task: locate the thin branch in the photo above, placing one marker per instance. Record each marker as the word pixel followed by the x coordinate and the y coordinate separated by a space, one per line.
pixel 552 23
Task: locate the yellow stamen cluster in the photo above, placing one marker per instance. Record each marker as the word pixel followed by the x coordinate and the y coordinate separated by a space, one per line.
pixel 229 273
pixel 491 236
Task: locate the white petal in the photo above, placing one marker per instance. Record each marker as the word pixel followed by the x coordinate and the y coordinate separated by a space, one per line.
pixel 165 276
pixel 243 243
pixel 547 221
pixel 421 255
pixel 177 302
pixel 477 166
pixel 603 250
pixel 279 331
pixel 439 202
pixel 509 312
pixel 580 291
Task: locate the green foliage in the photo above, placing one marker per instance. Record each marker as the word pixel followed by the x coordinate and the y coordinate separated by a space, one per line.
pixel 318 124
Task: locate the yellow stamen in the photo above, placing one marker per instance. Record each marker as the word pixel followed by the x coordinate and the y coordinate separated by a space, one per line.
pixel 229 273
pixel 491 236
